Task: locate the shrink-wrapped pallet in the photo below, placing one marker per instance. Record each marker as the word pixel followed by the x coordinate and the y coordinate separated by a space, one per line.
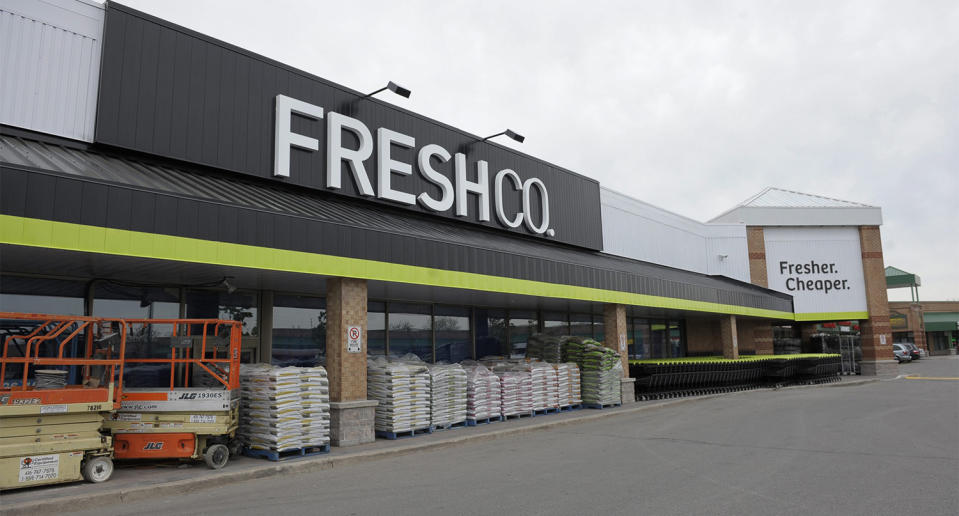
pixel 601 374
pixel 483 394
pixel 562 384
pixel 270 408
pixel 538 380
pixel 315 405
pixel 402 390
pixel 516 388
pixel 575 385
pixel 544 347
pixel 448 399
pixel 571 349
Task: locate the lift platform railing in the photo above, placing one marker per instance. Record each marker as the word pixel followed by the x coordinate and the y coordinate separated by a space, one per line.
pixel 210 346
pixel 35 341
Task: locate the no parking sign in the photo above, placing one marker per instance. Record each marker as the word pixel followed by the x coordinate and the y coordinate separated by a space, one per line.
pixel 354 342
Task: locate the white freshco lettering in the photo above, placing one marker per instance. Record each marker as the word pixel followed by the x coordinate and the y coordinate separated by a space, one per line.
pixel 454 194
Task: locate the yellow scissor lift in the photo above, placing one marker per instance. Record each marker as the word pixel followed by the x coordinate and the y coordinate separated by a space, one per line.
pixel 56 385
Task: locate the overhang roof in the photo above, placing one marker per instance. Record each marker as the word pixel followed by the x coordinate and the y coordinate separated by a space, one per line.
pixel 781 207
pixel 898 278
pixel 60 180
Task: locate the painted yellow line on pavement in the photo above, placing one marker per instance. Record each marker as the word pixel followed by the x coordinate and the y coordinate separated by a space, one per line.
pixel 947 378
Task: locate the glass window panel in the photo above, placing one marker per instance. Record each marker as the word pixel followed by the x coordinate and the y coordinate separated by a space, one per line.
pixel 657 340
pixel 376 328
pixel 581 325
pixel 490 333
pixel 675 339
pixel 522 325
pixel 411 330
pixel 299 331
pixel 639 346
pixel 598 333
pixel 451 326
pixel 212 304
pixel 555 323
pixel 41 296
pixel 117 301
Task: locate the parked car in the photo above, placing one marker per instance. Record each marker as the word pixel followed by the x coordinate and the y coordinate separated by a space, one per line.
pixel 913 350
pixel 902 354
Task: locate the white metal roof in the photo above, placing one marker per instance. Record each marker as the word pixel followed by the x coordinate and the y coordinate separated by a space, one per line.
pixel 780 198
pixel 781 207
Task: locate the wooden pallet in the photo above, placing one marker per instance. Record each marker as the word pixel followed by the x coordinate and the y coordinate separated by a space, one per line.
pixel 450 426
pixel 601 405
pixel 569 408
pixel 520 415
pixel 485 421
pixel 295 453
pixel 392 436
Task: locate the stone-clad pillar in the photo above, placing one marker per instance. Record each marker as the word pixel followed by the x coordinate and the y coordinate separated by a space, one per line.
pixel 876 332
pixel 730 337
pixel 351 414
pixel 617 338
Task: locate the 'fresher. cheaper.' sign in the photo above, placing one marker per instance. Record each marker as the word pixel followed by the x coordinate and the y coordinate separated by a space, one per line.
pixel 821 267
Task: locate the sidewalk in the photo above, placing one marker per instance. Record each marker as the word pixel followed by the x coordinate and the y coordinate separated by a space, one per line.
pixel 139 481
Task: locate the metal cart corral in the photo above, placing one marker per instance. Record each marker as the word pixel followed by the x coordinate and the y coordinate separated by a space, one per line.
pixel 192 410
pixel 50 430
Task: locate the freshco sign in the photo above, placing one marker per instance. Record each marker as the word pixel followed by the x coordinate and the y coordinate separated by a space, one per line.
pixel 452 193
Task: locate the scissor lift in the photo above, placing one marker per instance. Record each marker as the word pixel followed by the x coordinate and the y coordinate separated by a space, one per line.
pixel 191 410
pixel 51 433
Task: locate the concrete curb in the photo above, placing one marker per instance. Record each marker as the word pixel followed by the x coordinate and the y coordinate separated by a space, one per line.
pixel 338 459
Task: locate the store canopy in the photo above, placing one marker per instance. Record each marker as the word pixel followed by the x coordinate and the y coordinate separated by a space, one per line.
pixel 898 278
pixel 941 321
pixel 53 179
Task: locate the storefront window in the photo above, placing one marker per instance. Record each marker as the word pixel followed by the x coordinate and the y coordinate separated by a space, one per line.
pixel 126 302
pixel 376 328
pixel 657 340
pixel 490 333
pixel 676 339
pixel 411 330
pixel 299 331
pixel 639 345
pixel 452 329
pixel 598 329
pixel 555 323
pixel 581 325
pixel 41 296
pixel 521 326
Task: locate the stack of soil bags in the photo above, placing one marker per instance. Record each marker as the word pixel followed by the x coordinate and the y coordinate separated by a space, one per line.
pixel 575 385
pixel 602 370
pixel 483 394
pixel 270 407
pixel 562 385
pixel 517 392
pixel 572 349
pixel 550 394
pixel 538 379
pixel 544 347
pixel 448 394
pixel 403 392
pixel 315 405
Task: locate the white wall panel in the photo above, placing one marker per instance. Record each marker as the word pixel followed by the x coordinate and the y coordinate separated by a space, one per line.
pixel 641 231
pixel 833 283
pixel 50 65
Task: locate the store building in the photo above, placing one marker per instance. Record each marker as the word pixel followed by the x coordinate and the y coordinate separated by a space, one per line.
pixel 930 325
pixel 147 170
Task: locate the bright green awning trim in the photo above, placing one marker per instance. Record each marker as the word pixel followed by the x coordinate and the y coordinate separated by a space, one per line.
pixel 95 239
pixel 833 316
pixel 721 360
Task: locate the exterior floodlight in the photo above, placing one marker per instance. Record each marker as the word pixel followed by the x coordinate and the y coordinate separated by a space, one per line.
pixel 395 88
pixel 509 134
pixel 229 286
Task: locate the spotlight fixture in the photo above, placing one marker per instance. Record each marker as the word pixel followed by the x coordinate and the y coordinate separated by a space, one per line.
pixel 230 288
pixel 395 88
pixel 519 138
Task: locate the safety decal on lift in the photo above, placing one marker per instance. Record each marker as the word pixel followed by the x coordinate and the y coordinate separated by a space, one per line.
pixel 53 409
pixel 196 418
pixel 39 467
pixel 195 396
pixel 120 416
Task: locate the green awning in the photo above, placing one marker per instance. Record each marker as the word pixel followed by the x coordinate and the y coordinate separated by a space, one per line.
pixel 941 321
pixel 898 278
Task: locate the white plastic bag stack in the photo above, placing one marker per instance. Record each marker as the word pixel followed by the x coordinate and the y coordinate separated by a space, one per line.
pixel 420 395
pixel 516 392
pixel 562 384
pixel 270 407
pixel 448 394
pixel 389 384
pixel 480 390
pixel 575 388
pixel 315 405
pixel 538 379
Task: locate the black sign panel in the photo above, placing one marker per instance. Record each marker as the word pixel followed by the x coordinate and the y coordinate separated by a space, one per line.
pixel 169 91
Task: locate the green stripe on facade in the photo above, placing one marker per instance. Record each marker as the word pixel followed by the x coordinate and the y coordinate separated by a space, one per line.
pixel 833 316
pixel 93 239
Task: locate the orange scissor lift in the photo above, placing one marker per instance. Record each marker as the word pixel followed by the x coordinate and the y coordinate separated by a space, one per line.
pixel 59 376
pixel 190 411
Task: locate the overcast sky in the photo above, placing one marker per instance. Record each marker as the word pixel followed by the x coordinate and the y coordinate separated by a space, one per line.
pixel 692 106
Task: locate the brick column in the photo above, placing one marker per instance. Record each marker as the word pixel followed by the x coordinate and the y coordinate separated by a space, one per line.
pixel 756 246
pixel 877 358
pixel 763 338
pixel 729 336
pixel 617 338
pixel 915 323
pixel 351 414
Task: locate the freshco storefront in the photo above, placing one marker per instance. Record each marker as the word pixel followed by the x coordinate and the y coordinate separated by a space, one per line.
pixel 177 175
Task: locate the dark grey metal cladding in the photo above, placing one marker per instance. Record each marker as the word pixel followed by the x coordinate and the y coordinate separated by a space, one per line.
pixel 172 92
pixel 71 182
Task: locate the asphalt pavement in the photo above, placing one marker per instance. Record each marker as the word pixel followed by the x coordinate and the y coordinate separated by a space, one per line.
pixel 889 447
